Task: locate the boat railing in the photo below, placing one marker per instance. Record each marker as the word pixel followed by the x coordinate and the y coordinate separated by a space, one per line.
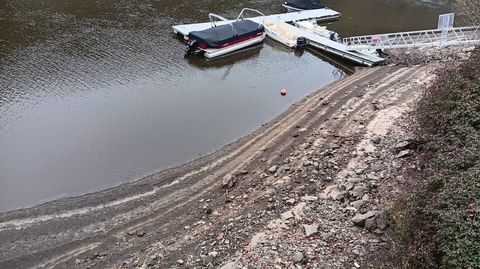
pixel 241 16
pixel 214 17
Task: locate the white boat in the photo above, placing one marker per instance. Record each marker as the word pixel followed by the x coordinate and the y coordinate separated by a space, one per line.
pixel 300 5
pixel 284 33
pixel 334 44
pixel 225 38
pixel 313 27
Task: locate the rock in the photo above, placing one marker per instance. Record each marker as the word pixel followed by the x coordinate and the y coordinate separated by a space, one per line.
pixel 357 204
pixel 370 224
pixel 359 190
pixel 78 261
pixel 208 259
pixel 141 233
pixel 376 140
pixel 307 163
pixel 231 265
pixel 359 219
pixel 360 171
pixel 382 220
pixel 228 181
pixel 309 198
pixel 242 172
pixel 378 167
pixel 372 176
pixel 310 229
pixel 298 257
pixel 326 236
pixel 213 254
pixel 287 215
pixel 273 169
pixel 403 145
pixel 333 193
pixel 180 262
pixel 351 208
pixel 291 201
pixel 349 186
pixel 152 261
pixel 263 176
pixel 404 153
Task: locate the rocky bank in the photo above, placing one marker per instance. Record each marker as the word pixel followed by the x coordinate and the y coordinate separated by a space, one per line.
pixel 311 189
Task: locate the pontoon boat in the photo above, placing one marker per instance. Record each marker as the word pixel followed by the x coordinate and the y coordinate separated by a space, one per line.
pixel 225 38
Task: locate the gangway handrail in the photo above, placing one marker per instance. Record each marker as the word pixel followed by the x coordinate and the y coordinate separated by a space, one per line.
pixel 433 37
pixel 418 31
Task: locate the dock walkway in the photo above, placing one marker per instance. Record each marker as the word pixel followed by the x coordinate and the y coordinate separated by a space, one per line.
pixel 318 14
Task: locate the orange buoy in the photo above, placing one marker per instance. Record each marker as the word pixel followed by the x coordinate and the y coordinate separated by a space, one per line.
pixel 283 92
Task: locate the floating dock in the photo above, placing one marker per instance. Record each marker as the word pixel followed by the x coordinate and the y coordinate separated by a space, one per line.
pixel 317 14
pixel 340 49
pixel 315 40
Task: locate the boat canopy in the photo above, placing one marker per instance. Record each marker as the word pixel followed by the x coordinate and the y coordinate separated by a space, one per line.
pixel 219 35
pixel 304 4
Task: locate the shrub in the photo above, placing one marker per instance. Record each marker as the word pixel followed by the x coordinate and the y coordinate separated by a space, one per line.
pixel 438 226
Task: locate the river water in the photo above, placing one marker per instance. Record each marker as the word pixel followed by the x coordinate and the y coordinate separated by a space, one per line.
pixel 97 93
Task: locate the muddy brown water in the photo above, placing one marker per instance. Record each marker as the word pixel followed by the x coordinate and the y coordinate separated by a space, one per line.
pixel 97 93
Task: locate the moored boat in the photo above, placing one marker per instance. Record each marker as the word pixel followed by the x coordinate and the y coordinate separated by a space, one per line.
pixel 299 5
pixel 223 39
pixel 284 33
pixel 313 27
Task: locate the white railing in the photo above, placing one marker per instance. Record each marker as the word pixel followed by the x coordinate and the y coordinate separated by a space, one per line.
pixel 436 37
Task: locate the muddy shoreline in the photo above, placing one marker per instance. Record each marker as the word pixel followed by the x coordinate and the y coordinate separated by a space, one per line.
pixel 206 213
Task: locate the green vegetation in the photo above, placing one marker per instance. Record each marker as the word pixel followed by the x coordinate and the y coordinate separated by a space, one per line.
pixel 438 226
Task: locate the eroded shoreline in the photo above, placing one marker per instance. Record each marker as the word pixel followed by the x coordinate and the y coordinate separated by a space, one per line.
pixel 183 217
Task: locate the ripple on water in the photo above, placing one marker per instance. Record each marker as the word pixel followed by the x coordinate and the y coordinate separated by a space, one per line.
pixel 95 93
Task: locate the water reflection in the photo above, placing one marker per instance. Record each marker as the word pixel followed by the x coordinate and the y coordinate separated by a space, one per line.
pixel 236 57
pixel 97 93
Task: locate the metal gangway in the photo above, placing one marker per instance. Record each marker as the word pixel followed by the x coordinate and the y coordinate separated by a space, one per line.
pixel 426 38
pixel 444 35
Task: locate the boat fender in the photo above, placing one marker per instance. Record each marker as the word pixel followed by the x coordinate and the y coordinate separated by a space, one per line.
pixel 381 53
pixel 191 48
pixel 302 41
pixel 335 37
